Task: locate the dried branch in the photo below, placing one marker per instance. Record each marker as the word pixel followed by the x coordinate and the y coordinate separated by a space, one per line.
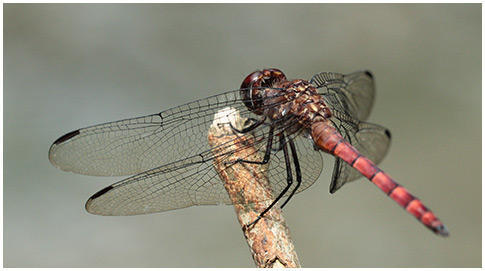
pixel 248 187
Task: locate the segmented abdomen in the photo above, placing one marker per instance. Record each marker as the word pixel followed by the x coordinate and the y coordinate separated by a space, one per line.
pixel 329 140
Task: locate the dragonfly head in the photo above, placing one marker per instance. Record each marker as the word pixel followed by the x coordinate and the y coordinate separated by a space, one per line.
pixel 252 88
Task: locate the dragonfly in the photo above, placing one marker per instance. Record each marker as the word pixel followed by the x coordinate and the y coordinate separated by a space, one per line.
pixel 292 123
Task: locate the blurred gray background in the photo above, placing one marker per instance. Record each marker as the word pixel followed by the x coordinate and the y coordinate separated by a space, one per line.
pixel 68 66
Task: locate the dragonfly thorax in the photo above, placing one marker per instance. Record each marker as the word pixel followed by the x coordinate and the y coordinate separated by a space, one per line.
pixel 269 93
pixel 304 102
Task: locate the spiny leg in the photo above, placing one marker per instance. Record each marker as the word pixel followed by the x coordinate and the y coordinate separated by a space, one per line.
pixel 250 127
pixel 289 181
pixel 267 153
pixel 297 170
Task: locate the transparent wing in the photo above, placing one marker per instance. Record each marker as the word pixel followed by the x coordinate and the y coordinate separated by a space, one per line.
pixel 370 139
pixel 350 98
pixel 192 182
pixel 352 94
pixel 171 156
pixel 136 145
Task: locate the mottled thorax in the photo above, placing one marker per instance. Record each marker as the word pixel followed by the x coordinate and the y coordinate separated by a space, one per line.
pixel 305 102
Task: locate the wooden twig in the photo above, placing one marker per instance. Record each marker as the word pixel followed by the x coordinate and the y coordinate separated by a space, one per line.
pixel 249 189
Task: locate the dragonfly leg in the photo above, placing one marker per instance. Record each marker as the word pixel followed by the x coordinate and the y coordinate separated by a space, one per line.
pixel 297 170
pixel 289 181
pixel 250 127
pixel 267 153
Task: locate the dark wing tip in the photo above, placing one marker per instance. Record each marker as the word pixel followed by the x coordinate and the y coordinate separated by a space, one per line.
pixel 97 195
pixel 100 192
pixel 333 184
pixel 368 73
pixel 388 133
pixel 66 137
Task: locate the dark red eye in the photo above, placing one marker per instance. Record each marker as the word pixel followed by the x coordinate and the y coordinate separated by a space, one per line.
pixel 252 87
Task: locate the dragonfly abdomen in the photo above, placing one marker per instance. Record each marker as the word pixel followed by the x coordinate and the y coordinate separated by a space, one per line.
pixel 329 140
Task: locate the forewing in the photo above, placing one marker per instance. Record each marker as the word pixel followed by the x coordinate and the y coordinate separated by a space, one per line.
pixel 136 145
pixel 352 94
pixel 369 139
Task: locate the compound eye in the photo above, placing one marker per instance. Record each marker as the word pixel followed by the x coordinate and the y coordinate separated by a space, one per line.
pixel 251 79
pixel 252 88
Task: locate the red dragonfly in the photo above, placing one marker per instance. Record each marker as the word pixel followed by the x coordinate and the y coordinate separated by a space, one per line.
pixel 172 161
